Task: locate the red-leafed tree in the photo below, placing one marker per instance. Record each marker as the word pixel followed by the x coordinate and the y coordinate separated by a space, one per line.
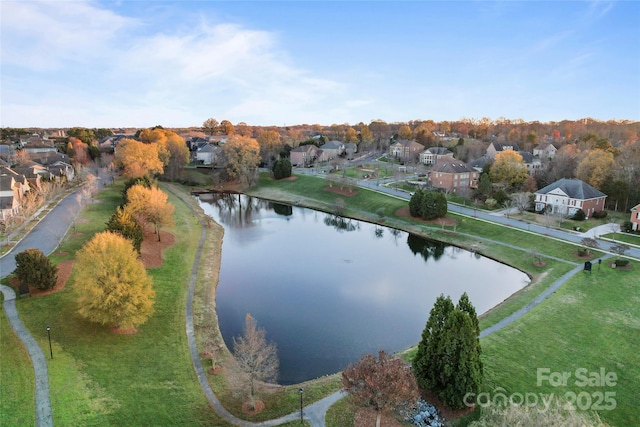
pixel 383 383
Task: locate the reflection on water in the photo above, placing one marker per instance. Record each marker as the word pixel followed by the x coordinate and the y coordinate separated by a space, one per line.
pixel 329 289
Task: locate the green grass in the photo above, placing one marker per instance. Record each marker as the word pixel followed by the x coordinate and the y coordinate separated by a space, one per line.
pixel 591 322
pixel 341 414
pixel 17 386
pixel 633 239
pixel 98 377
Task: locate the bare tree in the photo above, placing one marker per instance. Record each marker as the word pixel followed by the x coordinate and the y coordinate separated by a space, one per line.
pixel 384 383
pixel 522 201
pixel 589 242
pixel 619 249
pixel 256 358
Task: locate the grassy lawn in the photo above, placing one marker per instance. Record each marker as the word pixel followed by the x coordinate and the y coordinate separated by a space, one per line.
pixel 98 377
pixel 591 322
pixel 633 239
pixel 16 379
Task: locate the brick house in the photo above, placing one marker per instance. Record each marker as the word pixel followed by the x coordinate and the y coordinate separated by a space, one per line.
pixel 566 196
pixel 406 150
pixel 635 218
pixel 303 155
pixel 453 175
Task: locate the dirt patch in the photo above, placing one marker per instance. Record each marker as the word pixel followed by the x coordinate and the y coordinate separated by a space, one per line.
pixel 348 192
pixel 403 212
pixel 64 271
pixel 584 257
pixel 151 249
pixel 257 407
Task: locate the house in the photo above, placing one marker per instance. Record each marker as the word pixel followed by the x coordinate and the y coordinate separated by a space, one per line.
pixel 206 154
pixel 479 163
pixel 635 218
pixel 9 203
pixel 331 150
pixel 453 175
pixel 545 150
pixel 350 148
pixel 303 155
pixel 498 147
pixel 62 170
pixel 430 156
pixel 566 196
pixel 534 165
pixel 405 150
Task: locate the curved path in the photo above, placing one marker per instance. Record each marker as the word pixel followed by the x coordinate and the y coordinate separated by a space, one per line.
pixel 52 228
pixel 46 236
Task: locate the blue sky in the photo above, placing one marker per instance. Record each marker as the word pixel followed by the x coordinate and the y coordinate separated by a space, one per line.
pixel 142 63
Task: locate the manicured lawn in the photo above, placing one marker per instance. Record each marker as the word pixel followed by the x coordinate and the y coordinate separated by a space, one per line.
pixel 591 322
pixel 17 387
pixel 98 377
pixel 633 239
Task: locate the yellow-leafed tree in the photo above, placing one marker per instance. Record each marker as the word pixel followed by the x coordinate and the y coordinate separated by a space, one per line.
pixel 508 168
pixel 595 167
pixel 112 284
pixel 242 157
pixel 151 205
pixel 138 159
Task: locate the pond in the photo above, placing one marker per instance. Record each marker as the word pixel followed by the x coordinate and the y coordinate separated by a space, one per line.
pixel 328 290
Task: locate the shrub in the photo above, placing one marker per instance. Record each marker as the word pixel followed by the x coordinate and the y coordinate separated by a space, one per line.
pixel 621 262
pixel 600 215
pixel 627 226
pixel 35 269
pixel 579 215
pixel 282 169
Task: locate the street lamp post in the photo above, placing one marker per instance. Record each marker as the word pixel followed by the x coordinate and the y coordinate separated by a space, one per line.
pixel 49 335
pixel 301 390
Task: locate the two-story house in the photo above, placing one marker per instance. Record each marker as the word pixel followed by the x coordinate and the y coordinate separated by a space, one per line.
pixel 453 175
pixel 405 150
pixel 545 150
pixel 635 218
pixel 566 196
pixel 498 147
pixel 430 156
pixel 303 155
pixel 331 150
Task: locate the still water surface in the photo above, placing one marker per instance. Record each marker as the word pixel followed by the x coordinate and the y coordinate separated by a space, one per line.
pixel 328 290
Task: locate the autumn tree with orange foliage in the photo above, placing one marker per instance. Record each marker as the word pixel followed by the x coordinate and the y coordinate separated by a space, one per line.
pixel 595 167
pixel 79 151
pixel 138 159
pixel 151 205
pixel 384 383
pixel 112 283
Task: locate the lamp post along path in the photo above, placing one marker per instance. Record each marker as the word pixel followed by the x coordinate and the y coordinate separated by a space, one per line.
pixel 49 335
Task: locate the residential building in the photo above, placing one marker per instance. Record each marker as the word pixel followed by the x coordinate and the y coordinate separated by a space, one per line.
pixel 534 165
pixel 351 148
pixel 635 218
pixel 405 150
pixel 453 175
pixel 303 155
pixel 206 154
pixel 430 156
pixel 331 150
pixel 498 147
pixel 566 196
pixel 545 150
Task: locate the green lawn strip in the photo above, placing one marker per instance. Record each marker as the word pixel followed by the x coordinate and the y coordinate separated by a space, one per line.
pixel 632 239
pixel 17 384
pixel 140 379
pixel 590 322
pixel 341 413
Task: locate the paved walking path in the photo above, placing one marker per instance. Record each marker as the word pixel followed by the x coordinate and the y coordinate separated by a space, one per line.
pixel 48 233
pixel 46 236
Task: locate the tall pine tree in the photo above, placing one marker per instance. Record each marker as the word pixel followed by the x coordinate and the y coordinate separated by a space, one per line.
pixel 448 358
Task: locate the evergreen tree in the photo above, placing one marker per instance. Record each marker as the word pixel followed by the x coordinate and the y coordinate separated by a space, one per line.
pixel 35 269
pixel 427 362
pixel 415 203
pixel 448 358
pixel 123 222
pixel 282 169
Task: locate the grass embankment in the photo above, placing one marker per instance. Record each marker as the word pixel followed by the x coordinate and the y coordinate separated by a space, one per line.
pixel 99 377
pixel 632 239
